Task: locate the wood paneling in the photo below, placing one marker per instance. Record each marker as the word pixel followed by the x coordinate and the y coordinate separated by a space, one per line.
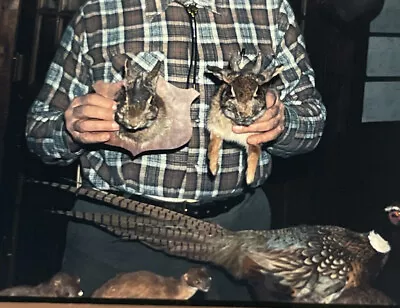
pixel 9 17
pixel 9 13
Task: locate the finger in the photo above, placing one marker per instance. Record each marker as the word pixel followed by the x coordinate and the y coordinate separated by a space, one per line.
pixel 275 112
pixel 266 136
pixel 278 112
pixel 91 138
pixel 93 112
pixel 270 113
pixel 92 126
pixel 266 126
pixel 93 99
pixel 260 126
pixel 271 99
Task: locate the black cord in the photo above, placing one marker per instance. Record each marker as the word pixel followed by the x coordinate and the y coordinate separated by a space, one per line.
pixel 192 11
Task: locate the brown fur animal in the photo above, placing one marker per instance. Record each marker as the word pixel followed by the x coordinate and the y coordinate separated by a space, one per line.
pixel 240 100
pixel 363 295
pixel 60 285
pixel 153 114
pixel 144 284
pixel 141 113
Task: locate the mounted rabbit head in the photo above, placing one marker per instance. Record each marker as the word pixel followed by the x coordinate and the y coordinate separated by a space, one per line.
pixel 246 85
pixel 137 108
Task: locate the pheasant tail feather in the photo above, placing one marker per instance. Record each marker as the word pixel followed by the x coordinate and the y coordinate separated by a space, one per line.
pixel 171 239
pixel 136 207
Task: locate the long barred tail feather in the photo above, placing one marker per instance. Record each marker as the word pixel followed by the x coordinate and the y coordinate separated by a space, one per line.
pixel 120 221
pixel 145 209
pixel 162 229
pixel 134 223
pixel 188 250
pixel 171 239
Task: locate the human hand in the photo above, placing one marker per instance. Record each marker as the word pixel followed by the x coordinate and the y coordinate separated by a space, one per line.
pixel 269 126
pixel 90 118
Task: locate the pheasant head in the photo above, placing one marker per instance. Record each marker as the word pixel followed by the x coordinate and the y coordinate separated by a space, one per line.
pixel 394 213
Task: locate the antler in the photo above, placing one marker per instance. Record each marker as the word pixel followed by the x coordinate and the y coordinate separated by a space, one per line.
pixel 235 62
pixel 258 65
pixel 240 63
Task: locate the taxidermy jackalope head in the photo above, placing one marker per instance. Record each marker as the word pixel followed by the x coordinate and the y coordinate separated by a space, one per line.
pixel 240 100
pixel 137 108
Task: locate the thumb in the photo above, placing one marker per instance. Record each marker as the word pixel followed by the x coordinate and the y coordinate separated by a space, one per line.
pixel 271 98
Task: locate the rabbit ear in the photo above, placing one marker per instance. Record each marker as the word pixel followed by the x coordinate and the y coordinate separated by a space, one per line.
pixel 156 69
pixel 130 75
pixel 257 66
pixel 152 76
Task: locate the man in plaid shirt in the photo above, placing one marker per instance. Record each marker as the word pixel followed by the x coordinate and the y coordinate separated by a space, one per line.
pixel 67 123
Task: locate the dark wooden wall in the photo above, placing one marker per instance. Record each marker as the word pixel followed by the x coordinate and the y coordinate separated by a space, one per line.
pixel 354 168
pixel 9 14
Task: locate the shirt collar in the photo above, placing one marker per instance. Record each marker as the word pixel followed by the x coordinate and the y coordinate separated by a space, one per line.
pixel 207 4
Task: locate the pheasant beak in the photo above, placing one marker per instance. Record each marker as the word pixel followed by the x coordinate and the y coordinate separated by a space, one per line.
pixel 394 217
pixel 393 214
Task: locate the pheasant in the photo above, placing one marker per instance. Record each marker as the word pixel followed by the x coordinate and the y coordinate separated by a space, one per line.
pixel 312 264
pixel 387 280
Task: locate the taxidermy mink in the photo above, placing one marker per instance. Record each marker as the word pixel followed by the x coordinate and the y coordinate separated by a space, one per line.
pixel 60 285
pixel 364 295
pixel 145 284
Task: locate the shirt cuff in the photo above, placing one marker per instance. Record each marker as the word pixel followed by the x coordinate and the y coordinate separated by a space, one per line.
pixel 66 146
pixel 281 146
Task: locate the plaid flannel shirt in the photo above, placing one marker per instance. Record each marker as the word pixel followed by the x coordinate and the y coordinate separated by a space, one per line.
pixel 148 30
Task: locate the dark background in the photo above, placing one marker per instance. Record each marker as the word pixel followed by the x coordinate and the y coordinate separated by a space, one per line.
pixel 346 181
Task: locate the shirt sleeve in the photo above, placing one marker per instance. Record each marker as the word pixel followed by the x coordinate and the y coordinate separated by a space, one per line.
pixel 305 114
pixel 68 77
